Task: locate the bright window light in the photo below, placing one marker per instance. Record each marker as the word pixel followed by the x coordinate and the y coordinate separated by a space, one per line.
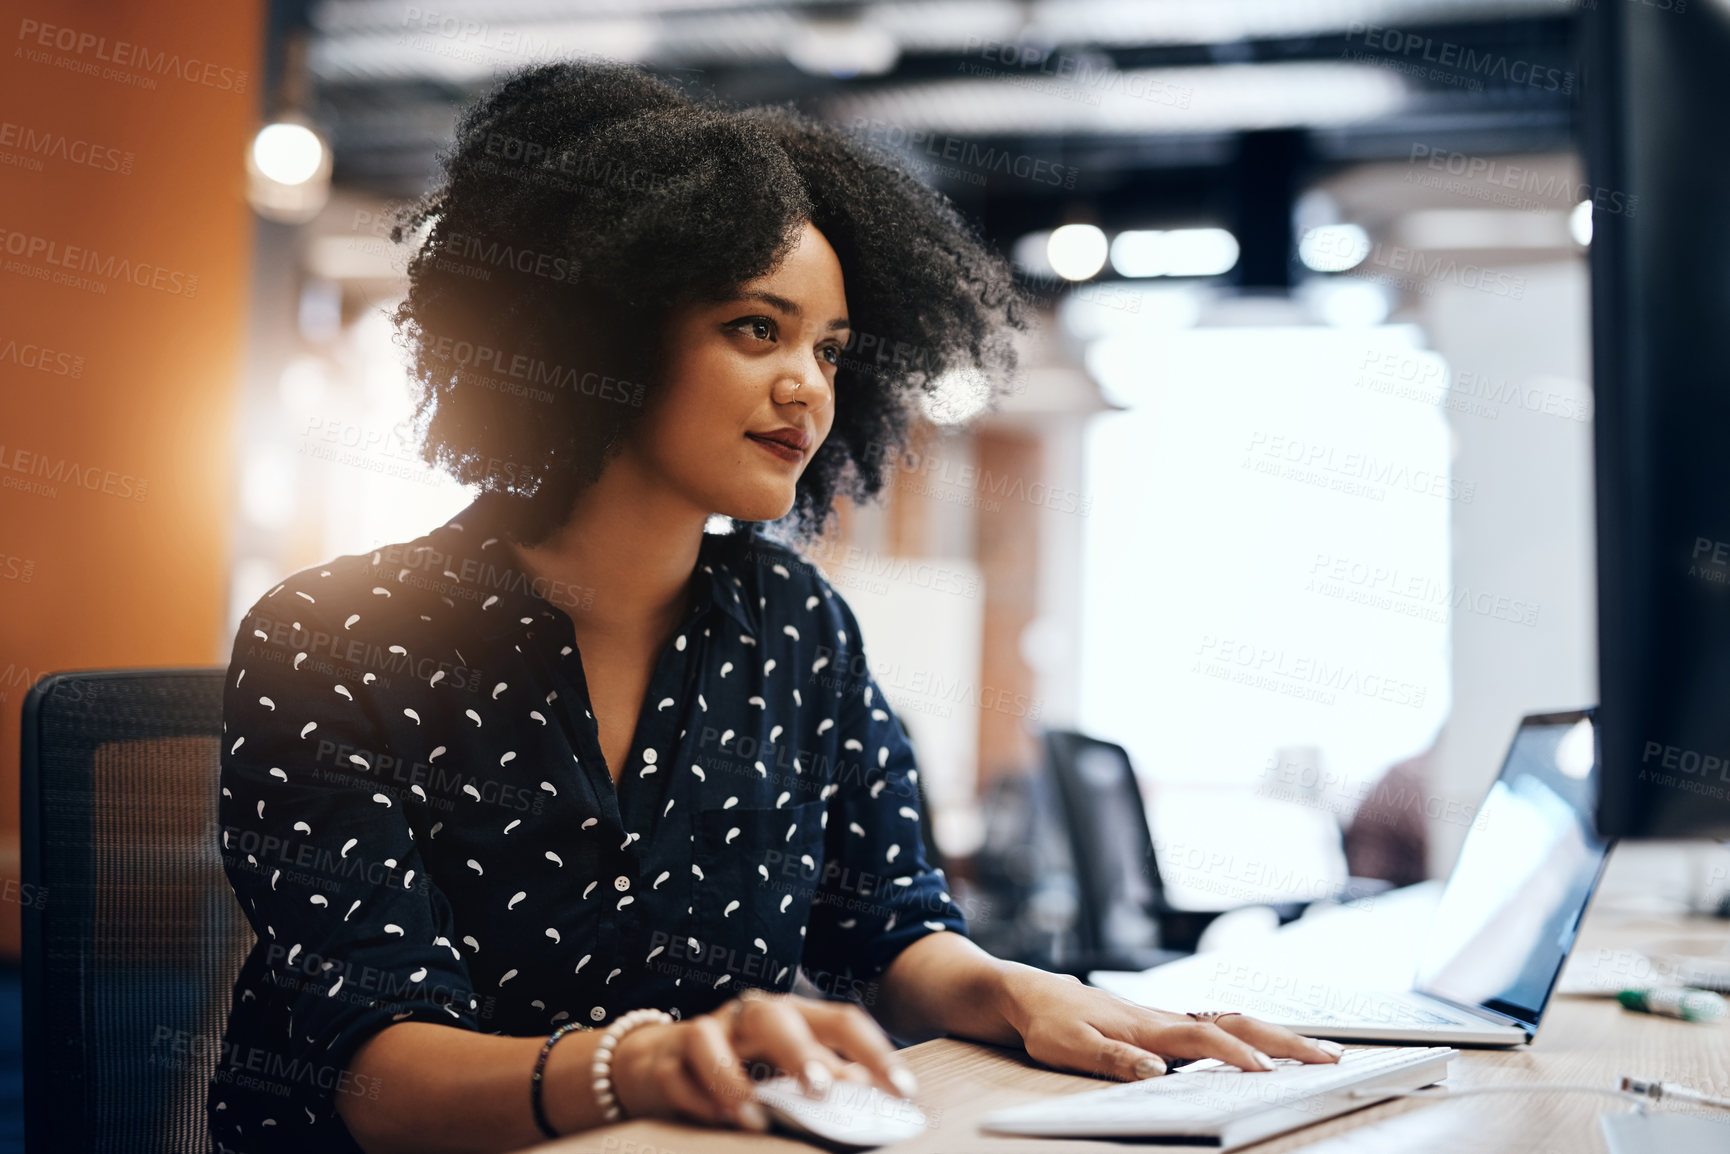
pixel 288 153
pixel 1266 558
pixel 1076 251
pixel 268 485
pixel 1334 247
pixel 1580 223
pixel 1174 252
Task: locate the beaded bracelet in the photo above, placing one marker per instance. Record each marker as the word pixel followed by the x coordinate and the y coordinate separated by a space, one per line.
pixel 603 1068
pixel 601 1071
pixel 535 1078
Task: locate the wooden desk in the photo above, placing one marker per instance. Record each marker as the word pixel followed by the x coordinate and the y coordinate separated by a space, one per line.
pixel 1591 1041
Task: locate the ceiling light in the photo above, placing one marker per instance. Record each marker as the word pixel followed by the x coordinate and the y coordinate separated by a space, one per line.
pixel 842 48
pixel 288 171
pixel 1029 254
pixel 1334 247
pixel 287 153
pixel 1580 223
pixel 1076 251
pixel 1177 252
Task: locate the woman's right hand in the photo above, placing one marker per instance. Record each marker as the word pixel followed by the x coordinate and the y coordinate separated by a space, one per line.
pixel 697 1069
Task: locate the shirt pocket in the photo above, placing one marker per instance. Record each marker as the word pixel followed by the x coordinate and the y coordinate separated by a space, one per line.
pixel 750 907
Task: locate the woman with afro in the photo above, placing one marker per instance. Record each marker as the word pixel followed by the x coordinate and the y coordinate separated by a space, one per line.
pixel 541 818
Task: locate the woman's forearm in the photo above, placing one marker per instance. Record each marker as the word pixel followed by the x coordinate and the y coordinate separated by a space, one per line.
pixel 945 984
pixel 442 1089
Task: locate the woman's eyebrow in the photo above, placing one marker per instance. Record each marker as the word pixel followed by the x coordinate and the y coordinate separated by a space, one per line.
pixel 788 307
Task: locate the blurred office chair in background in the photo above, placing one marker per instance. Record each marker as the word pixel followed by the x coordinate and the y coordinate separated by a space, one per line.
pixel 1124 921
pixel 1070 855
pixel 134 943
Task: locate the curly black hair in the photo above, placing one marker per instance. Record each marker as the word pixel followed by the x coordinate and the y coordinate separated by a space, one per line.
pixel 582 202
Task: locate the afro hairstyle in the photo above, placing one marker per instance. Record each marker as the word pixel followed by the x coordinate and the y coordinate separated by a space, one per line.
pixel 581 202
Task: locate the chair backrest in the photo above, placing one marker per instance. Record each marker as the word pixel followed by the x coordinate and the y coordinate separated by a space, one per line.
pixel 1117 878
pixel 132 936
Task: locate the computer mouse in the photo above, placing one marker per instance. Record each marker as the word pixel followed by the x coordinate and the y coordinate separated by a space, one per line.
pixel 853 1114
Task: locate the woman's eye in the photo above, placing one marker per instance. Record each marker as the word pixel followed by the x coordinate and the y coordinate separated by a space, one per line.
pixel 832 354
pixel 760 327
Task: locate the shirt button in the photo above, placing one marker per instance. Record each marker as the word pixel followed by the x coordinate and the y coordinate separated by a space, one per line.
pixel 621 883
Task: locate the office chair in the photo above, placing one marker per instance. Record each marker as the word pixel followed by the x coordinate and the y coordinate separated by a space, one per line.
pixel 1124 914
pixel 132 936
pixel 1123 922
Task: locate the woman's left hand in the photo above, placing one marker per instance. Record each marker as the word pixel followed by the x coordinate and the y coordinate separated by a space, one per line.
pixel 1072 1026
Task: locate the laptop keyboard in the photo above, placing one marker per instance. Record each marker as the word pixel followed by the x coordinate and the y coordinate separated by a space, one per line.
pixel 1391 1012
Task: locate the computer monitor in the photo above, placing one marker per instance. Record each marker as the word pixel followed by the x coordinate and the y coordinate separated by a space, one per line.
pixel 1655 84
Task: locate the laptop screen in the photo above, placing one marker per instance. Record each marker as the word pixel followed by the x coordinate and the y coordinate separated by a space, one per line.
pixel 1507 919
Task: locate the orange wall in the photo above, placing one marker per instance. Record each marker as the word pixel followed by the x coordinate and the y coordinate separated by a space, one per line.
pixel 121 147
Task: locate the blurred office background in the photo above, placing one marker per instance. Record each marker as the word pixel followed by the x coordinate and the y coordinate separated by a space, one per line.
pixel 1294 487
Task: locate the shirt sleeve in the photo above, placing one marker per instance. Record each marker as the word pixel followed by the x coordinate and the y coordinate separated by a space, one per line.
pixel 353 933
pixel 878 892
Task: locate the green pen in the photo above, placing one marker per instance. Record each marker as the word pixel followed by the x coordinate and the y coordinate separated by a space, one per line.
pixel 1683 1002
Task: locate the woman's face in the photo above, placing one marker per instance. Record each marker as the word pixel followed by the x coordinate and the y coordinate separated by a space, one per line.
pixel 750 388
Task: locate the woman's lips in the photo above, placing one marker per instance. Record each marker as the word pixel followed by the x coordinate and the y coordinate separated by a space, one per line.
pixel 786 452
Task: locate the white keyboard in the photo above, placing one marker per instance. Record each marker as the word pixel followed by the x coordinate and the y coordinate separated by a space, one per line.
pixel 1226 1106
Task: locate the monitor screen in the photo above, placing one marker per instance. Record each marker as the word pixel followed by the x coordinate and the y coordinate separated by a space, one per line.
pixel 1523 879
pixel 1654 86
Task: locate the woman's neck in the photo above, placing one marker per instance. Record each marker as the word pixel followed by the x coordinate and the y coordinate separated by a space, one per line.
pixel 628 549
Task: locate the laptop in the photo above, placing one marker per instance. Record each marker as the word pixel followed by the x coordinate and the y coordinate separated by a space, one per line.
pixel 1507 918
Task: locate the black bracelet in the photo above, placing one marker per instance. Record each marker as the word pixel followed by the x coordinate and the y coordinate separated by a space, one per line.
pixel 535 1078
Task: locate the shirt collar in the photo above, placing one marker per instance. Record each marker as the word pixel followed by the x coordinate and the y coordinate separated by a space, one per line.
pixel 719 560
pixel 476 564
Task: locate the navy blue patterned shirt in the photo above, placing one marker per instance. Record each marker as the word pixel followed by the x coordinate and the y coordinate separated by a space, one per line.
pixel 418 822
